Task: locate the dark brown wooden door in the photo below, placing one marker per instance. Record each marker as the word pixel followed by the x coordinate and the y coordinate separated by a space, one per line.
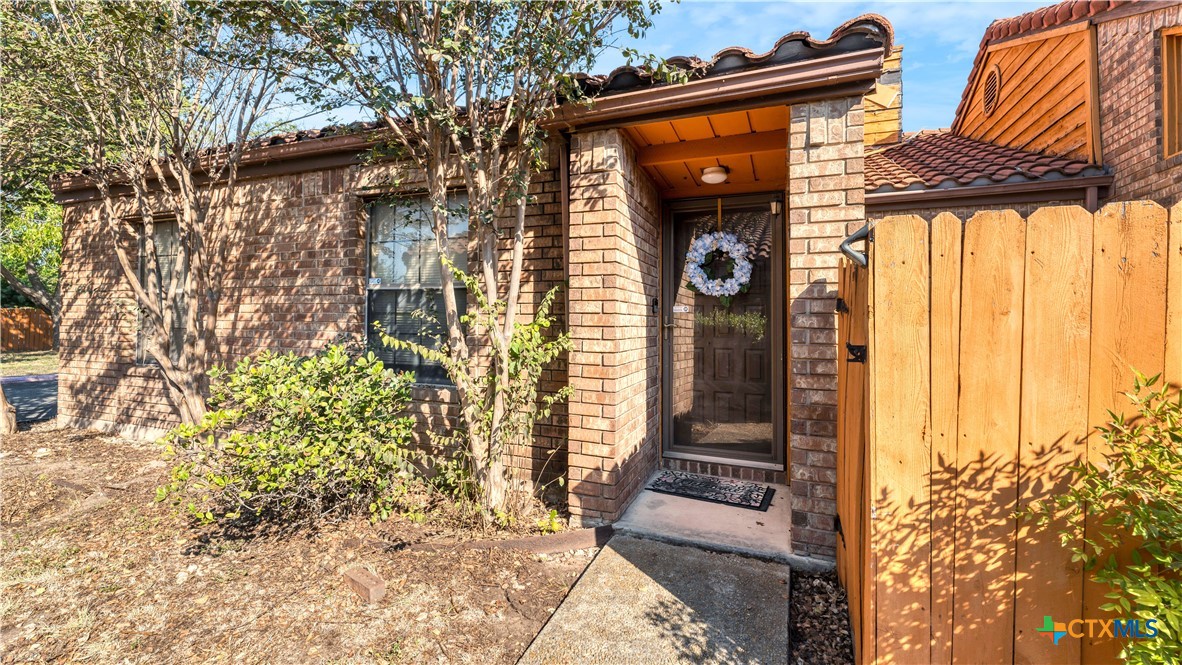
pixel 723 354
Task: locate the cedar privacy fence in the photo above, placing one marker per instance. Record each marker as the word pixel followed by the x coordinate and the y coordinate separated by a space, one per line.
pixel 994 348
pixel 25 329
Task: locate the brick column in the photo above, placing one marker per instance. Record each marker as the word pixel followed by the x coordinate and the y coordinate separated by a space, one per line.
pixel 825 200
pixel 614 365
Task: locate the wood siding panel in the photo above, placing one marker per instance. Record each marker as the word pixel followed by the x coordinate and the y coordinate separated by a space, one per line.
pixel 1015 81
pixel 902 428
pixel 1046 96
pixel 987 437
pixel 1128 334
pixel 1055 360
pixel 946 259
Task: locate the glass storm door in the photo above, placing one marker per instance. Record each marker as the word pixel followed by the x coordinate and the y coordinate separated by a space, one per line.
pixel 723 331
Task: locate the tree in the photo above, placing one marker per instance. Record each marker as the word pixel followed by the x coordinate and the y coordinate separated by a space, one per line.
pixel 464 89
pixel 162 98
pixel 37 145
pixel 31 248
pixel 7 415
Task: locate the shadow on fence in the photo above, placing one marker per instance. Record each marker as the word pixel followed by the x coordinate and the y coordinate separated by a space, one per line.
pixel 25 329
pixel 995 348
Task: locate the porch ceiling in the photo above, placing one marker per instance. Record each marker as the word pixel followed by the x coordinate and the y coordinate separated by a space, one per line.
pixel 752 144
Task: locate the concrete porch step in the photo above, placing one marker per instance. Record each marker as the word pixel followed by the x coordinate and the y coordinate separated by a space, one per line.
pixel 714 526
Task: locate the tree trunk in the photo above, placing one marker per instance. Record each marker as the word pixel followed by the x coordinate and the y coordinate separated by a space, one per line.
pixel 36 292
pixel 7 415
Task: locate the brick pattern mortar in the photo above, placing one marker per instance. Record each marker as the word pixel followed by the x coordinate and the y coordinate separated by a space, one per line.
pixel 296 283
pixel 825 198
pixel 614 365
pixel 1130 66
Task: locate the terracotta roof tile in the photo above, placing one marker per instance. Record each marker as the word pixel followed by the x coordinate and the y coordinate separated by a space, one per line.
pixel 935 159
pixel 866 31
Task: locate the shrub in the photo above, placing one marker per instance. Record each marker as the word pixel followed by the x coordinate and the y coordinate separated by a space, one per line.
pixel 295 438
pixel 1138 493
pixel 501 406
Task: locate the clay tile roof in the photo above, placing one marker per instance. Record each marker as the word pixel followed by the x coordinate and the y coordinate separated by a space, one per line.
pixel 1049 17
pixel 310 134
pixel 864 32
pixel 1033 21
pixel 938 159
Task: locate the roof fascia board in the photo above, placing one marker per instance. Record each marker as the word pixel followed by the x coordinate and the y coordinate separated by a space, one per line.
pixel 1131 9
pixel 1026 38
pixel 863 65
pixel 785 99
pixel 1041 190
pixel 79 189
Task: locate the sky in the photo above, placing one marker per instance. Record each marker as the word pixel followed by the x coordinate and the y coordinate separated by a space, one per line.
pixel 939 40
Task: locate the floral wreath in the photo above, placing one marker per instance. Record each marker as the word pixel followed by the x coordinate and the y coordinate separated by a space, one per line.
pixel 718 265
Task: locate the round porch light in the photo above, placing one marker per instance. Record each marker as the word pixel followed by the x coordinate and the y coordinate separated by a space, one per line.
pixel 714 175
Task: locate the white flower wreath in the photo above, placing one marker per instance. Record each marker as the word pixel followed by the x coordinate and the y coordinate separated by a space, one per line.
pixel 717 250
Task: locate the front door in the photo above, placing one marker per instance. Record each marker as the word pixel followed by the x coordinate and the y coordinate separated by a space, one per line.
pixel 723 333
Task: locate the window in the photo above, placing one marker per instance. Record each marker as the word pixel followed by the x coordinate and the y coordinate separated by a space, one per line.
pixel 166 242
pixel 404 278
pixel 1171 87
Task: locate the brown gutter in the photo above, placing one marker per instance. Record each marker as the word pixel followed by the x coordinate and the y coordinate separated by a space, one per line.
pixel 1016 192
pixel 267 161
pixel 857 66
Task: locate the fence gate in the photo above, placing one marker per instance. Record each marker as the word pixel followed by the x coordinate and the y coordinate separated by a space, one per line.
pixel 993 349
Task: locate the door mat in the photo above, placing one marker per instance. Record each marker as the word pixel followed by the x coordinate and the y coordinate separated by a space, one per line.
pixel 741 493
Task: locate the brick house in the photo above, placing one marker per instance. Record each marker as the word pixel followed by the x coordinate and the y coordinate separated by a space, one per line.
pixel 790 151
pixel 1075 103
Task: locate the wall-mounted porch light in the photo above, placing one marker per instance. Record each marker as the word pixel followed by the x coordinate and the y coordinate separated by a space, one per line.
pixel 715 175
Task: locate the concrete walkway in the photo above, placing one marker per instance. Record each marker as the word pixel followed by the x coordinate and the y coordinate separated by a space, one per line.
pixel 644 601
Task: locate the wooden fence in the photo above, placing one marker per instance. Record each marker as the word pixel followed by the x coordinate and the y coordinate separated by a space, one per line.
pixel 25 329
pixel 995 348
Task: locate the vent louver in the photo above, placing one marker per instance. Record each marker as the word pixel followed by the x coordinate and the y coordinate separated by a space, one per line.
pixel 992 91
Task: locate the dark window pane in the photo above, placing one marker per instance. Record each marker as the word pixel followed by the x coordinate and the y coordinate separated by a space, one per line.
pixel 395 311
pixel 166 243
pixel 404 278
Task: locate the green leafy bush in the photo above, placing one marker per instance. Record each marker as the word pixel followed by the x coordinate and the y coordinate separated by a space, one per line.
pixel 501 405
pixel 297 439
pixel 1138 493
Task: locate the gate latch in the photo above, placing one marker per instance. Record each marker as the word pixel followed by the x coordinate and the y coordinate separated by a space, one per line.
pixel 857 352
pixel 840 307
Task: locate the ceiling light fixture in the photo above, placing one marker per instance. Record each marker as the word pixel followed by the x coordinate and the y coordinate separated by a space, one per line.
pixel 715 175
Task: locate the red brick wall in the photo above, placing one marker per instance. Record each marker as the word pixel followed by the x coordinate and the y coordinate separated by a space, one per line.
pixel 1130 106
pixel 825 198
pixel 615 364
pixel 296 283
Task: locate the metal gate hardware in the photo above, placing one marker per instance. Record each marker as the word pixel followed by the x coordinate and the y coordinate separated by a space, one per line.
pixel 857 352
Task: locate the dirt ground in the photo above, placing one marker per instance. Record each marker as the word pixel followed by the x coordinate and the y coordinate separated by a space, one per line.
pixel 92 569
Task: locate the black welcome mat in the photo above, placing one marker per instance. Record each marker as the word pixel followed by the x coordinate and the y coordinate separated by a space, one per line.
pixel 727 491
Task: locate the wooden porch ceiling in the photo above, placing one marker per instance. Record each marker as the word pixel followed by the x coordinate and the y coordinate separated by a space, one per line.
pixel 752 144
